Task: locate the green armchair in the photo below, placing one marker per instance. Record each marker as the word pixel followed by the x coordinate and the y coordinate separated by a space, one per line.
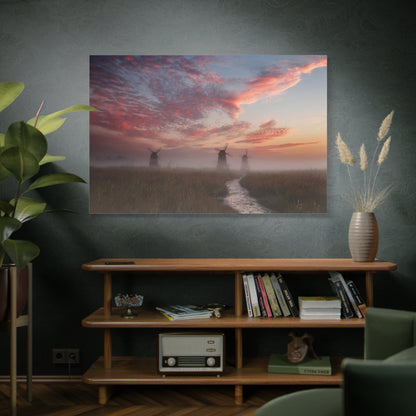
pixel 384 383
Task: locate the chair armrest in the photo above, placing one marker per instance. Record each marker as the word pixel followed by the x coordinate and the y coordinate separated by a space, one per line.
pixel 378 388
pixel 311 402
pixel 388 331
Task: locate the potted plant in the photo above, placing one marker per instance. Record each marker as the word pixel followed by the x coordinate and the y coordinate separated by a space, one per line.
pixel 23 152
pixel 365 195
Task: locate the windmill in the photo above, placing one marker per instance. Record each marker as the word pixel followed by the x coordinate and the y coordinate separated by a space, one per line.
pixel 154 158
pixel 222 158
pixel 244 162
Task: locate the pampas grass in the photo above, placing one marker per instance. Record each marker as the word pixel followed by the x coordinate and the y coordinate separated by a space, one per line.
pixel 364 196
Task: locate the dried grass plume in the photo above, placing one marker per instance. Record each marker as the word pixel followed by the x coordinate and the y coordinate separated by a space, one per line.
pixel 364 196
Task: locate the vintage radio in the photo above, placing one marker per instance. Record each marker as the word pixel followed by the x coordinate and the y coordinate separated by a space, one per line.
pixel 191 352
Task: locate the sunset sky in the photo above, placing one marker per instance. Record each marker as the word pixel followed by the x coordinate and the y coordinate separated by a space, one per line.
pixel 273 106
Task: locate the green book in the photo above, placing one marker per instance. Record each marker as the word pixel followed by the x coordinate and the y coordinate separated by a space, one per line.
pixel 280 364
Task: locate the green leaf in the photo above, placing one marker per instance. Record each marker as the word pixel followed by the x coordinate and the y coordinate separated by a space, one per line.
pixel 28 208
pixel 72 109
pixel 46 125
pixel 21 252
pixel 51 122
pixel 54 179
pixel 27 137
pixel 2 137
pixel 20 162
pixel 49 159
pixel 4 173
pixel 6 207
pixel 9 91
pixel 7 227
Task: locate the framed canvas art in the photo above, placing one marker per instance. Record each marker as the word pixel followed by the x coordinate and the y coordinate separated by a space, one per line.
pixel 243 134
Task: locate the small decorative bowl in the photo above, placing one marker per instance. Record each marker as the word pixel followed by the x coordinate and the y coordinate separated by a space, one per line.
pixel 129 302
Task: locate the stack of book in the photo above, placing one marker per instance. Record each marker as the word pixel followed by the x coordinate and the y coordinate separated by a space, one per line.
pixel 352 302
pixel 182 312
pixel 319 307
pixel 267 295
pixel 280 364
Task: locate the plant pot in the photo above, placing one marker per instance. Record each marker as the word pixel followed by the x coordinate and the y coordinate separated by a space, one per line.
pixel 363 236
pixel 21 290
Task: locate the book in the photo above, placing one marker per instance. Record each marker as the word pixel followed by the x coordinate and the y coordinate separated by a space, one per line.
pixel 338 289
pixel 279 363
pixel 279 294
pixel 247 295
pixel 274 305
pixel 260 297
pixel 253 296
pixel 329 314
pixel 266 302
pixel 320 302
pixel 319 307
pixel 288 296
pixel 357 296
pixel 182 312
pixel 338 276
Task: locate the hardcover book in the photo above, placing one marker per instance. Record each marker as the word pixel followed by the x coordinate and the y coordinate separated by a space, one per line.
pixel 288 296
pixel 279 363
pixel 272 297
pixel 337 288
pixel 280 296
pixel 337 277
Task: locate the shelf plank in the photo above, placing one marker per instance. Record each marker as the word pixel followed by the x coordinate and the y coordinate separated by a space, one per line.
pixel 232 265
pixel 154 319
pixel 143 370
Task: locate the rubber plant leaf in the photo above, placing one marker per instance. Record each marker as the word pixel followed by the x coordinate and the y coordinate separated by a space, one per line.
pixel 50 158
pixel 21 252
pixel 28 208
pixel 27 137
pixel 47 126
pixel 4 173
pixel 9 91
pixel 7 227
pixel 54 179
pixel 20 162
pixel 6 208
pixel 51 122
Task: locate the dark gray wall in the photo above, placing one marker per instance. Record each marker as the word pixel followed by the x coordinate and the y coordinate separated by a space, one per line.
pixel 46 44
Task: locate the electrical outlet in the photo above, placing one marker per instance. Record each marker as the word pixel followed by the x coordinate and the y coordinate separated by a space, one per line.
pixel 65 356
pixel 72 355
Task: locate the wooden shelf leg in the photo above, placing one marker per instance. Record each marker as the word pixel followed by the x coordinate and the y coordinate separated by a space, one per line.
pixel 13 340
pixel 238 389
pixel 238 395
pixel 29 335
pixel 369 288
pixel 104 394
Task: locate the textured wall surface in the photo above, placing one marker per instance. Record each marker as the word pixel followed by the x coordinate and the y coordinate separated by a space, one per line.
pixel 46 44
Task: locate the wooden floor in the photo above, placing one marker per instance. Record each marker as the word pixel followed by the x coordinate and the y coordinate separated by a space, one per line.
pixel 75 399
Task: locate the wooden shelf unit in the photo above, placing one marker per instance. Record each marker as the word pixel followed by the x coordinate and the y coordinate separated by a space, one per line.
pixel 109 370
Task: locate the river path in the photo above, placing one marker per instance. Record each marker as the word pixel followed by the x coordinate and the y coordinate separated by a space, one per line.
pixel 239 199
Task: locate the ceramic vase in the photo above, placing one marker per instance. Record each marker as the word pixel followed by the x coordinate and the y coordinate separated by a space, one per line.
pixel 363 236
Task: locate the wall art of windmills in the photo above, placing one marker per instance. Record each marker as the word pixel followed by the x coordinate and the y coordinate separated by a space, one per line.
pixel 214 134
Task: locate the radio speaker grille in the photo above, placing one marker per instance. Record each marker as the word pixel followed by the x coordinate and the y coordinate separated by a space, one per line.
pixel 191 361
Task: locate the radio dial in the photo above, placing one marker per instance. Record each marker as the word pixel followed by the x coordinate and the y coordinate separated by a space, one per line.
pixel 211 362
pixel 171 362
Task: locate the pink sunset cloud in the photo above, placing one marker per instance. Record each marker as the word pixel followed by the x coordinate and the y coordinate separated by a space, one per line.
pixel 274 81
pixel 176 102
